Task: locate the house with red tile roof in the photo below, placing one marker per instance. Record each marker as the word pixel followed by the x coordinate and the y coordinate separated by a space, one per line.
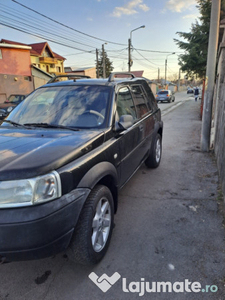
pixel 25 67
pixel 45 59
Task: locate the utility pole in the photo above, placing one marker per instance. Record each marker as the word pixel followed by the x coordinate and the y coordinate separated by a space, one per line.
pixel 158 74
pixel 178 87
pixel 165 70
pixel 103 61
pixel 130 62
pixel 210 75
pixel 166 65
pixel 97 66
pixel 129 54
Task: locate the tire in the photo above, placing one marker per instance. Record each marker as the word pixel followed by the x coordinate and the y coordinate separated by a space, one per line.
pixel 94 229
pixel 154 158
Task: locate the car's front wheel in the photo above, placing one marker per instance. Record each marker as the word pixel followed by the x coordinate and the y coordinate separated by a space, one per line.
pixel 154 158
pixel 94 229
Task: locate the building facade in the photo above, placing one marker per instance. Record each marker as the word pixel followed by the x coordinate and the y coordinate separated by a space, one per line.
pixel 90 71
pixel 24 67
pixel 15 70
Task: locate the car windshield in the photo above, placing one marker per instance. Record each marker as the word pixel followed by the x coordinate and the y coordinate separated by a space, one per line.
pixel 72 106
pixel 14 98
pixel 162 92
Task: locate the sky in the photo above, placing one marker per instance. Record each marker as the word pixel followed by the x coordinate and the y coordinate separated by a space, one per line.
pixel 74 29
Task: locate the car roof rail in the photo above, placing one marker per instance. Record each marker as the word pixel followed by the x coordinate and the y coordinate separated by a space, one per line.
pixel 69 76
pixel 112 76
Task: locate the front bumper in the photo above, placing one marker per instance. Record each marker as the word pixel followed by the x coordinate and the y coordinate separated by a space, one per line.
pixel 163 99
pixel 42 230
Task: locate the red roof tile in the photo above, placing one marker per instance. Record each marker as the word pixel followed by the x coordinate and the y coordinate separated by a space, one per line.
pixel 37 48
pixel 12 42
pixel 137 73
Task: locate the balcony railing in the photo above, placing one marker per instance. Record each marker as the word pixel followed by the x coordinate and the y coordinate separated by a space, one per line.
pixel 48 60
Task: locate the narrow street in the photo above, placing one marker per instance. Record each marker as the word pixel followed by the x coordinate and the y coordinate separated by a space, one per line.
pixel 168 228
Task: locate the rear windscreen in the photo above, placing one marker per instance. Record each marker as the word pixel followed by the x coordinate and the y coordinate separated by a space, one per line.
pixel 163 93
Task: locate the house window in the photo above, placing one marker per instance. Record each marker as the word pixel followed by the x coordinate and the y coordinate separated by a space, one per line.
pixel 28 78
pixel 58 69
pixel 47 53
pixel 0 54
pixel 47 68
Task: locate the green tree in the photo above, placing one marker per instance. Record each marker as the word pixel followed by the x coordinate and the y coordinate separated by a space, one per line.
pixel 108 65
pixel 193 61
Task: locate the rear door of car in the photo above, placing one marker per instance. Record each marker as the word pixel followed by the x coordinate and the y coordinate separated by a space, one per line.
pixel 145 114
pixel 135 141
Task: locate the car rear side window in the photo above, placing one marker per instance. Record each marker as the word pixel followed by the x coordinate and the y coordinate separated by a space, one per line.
pixel 150 96
pixel 140 100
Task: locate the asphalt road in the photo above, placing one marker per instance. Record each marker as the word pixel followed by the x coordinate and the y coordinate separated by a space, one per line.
pixel 169 228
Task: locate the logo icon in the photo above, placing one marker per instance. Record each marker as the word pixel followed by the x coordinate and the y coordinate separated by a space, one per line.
pixel 104 282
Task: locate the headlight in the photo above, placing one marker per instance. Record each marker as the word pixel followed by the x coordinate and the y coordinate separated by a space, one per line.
pixel 32 191
pixel 9 109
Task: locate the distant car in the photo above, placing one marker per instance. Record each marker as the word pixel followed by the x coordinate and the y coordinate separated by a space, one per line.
pixel 10 104
pixel 165 95
pixel 190 91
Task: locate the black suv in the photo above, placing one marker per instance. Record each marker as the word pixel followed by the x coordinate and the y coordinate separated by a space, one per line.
pixel 66 150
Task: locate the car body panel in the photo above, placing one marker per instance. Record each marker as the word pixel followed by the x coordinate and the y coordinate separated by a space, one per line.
pixel 29 153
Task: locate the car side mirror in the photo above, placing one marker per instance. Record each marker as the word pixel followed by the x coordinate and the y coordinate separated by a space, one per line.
pixel 125 122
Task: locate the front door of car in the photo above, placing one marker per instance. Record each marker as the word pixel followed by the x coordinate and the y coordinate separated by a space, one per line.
pixel 129 139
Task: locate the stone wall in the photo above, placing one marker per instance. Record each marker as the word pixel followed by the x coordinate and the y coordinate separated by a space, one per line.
pixel 219 114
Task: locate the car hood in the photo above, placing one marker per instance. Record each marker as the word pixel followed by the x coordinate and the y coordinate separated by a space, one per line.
pixel 6 105
pixel 28 153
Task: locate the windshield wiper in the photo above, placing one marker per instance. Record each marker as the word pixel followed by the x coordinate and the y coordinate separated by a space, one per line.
pixel 14 123
pixel 46 125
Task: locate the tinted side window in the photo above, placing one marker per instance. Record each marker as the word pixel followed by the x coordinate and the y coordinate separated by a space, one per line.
pixel 150 97
pixel 140 100
pixel 125 104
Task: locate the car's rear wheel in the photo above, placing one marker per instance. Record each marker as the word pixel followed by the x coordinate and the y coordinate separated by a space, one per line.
pixel 94 229
pixel 154 158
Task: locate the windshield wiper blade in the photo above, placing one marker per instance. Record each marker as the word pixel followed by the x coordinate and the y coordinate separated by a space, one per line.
pixel 14 123
pixel 46 125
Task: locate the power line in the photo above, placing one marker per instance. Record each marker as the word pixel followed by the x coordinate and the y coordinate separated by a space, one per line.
pixel 157 51
pixel 65 25
pixel 42 36
pixel 29 21
pixel 57 35
pixel 144 57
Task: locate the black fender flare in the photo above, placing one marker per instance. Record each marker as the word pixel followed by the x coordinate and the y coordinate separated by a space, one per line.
pixel 96 173
pixel 158 127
